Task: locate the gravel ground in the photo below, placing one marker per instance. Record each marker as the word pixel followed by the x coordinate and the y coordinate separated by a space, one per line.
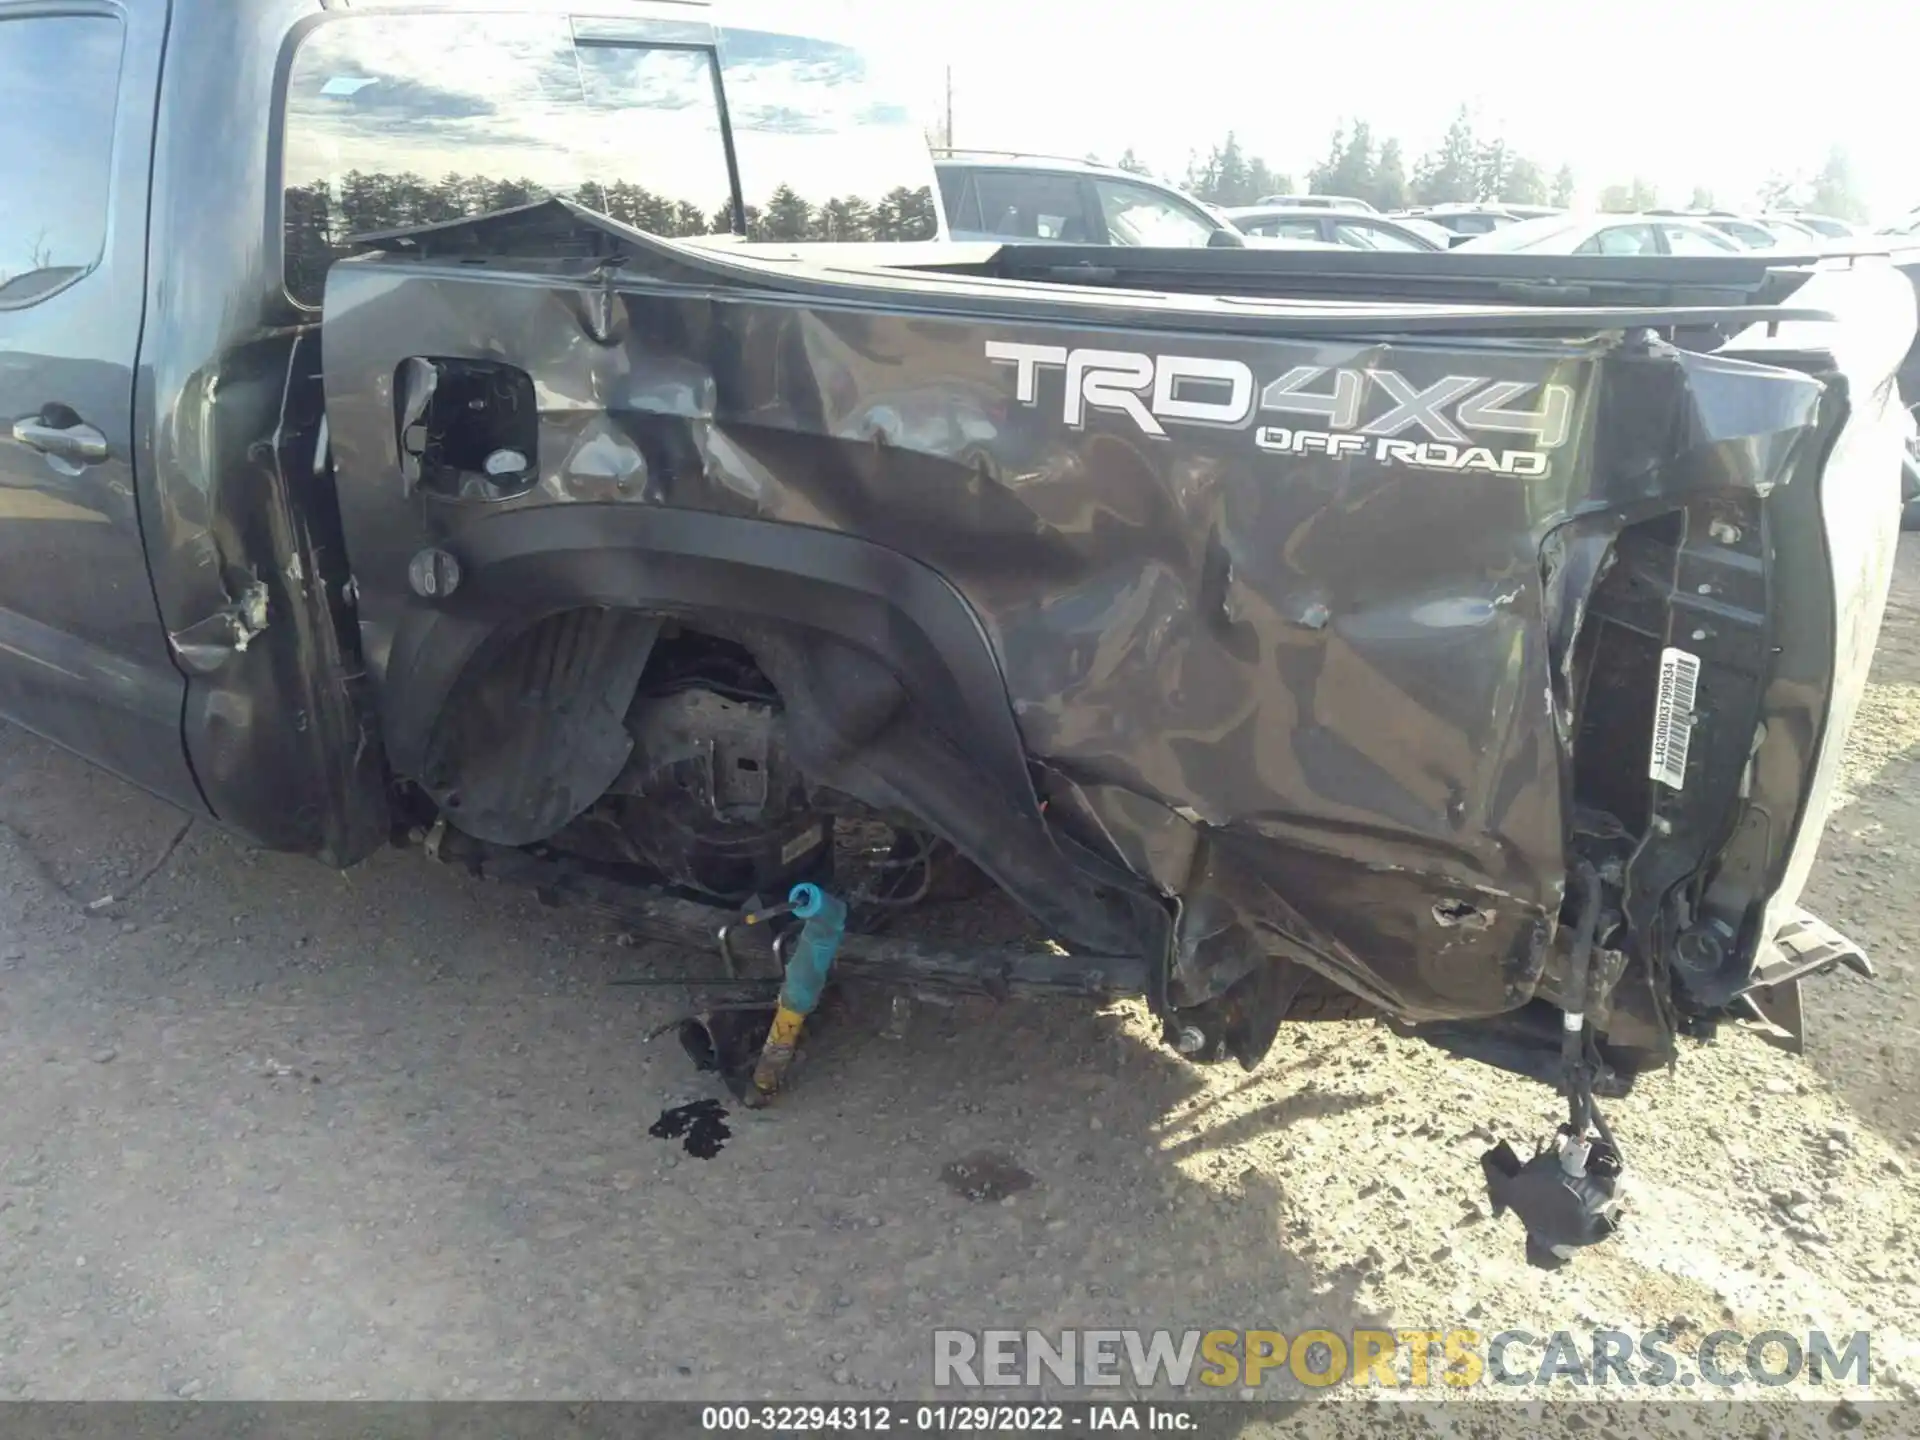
pixel 272 1131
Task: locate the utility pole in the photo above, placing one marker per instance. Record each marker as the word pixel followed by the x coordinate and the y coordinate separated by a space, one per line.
pixel 949 128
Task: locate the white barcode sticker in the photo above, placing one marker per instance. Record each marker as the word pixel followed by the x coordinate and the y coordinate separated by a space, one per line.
pixel 1673 718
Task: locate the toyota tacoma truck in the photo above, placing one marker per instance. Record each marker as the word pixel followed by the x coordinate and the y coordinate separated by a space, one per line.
pixel 562 434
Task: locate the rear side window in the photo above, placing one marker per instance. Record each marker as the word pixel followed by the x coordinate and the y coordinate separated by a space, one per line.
pixel 509 111
pixel 1753 236
pixel 1684 240
pixel 1283 229
pixel 960 198
pixel 1135 215
pixel 1033 206
pixel 59 84
pixel 1362 236
pixel 1620 240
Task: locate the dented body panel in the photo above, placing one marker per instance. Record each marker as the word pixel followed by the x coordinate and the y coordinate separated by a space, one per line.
pixel 249 572
pixel 1461 630
pixel 1473 637
pixel 1289 616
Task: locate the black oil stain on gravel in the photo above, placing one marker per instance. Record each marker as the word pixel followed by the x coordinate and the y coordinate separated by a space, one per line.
pixel 703 1123
pixel 985 1175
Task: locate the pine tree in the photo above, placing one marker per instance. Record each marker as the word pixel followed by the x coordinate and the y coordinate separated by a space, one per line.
pixel 506 194
pixel 361 209
pixel 1778 193
pixel 1390 179
pixel 1835 192
pixel 446 199
pixel 1629 199
pixel 310 241
pixel 849 218
pixel 1492 162
pixel 1262 182
pixel 1229 176
pixel 788 216
pixel 1321 177
pixel 1452 171
pixel 918 214
pixel 1199 179
pixel 1353 171
pixel 1526 183
pixel 688 219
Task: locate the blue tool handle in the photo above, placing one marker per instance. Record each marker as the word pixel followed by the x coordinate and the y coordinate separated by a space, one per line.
pixel 813 952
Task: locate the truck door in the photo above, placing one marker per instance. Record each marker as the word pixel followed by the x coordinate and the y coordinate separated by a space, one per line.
pixel 84 659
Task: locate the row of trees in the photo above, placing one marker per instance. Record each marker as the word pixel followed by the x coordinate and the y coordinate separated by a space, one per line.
pixel 900 214
pixel 1830 190
pixel 319 224
pixel 1230 176
pixel 1464 166
pixel 1469 166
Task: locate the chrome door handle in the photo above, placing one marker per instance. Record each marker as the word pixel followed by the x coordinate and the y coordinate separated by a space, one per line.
pixel 82 444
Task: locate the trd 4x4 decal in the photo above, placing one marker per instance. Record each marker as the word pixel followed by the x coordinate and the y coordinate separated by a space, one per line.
pixel 1430 427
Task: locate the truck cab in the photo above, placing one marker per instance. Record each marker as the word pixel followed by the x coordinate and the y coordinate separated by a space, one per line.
pixel 175 596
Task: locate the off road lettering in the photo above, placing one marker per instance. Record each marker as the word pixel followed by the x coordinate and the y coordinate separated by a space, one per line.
pixel 1442 415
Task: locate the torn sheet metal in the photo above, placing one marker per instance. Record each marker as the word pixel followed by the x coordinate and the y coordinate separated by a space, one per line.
pixel 206 646
pixel 1277 617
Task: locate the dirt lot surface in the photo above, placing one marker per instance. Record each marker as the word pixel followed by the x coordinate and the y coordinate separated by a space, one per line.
pixel 271 1131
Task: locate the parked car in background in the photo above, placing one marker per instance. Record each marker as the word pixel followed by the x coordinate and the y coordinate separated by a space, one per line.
pixel 1749 233
pixel 1320 202
pixel 1796 229
pixel 1792 234
pixel 1627 235
pixel 1825 225
pixel 1464 221
pixel 1007 196
pixel 1355 229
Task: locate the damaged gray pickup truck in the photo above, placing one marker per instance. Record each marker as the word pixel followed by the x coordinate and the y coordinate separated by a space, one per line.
pixel 584 453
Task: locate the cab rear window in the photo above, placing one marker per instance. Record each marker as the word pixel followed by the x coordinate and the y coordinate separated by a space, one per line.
pixel 508 113
pixel 533 105
pixel 827 151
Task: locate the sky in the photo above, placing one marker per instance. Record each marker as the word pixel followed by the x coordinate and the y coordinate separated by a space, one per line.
pixel 515 99
pixel 1683 92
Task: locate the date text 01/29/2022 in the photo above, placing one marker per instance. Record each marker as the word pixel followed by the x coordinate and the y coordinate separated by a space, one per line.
pixel 961 1419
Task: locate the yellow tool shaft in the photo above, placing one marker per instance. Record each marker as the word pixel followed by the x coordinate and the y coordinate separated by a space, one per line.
pixel 777 1054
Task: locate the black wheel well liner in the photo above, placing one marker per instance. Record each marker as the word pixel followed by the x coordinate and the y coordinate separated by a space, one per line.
pixel 518 566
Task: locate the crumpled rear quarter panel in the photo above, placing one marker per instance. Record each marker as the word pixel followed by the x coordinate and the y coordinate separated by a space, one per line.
pixel 1312 698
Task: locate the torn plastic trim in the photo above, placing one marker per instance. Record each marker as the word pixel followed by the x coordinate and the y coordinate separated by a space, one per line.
pixel 206 645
